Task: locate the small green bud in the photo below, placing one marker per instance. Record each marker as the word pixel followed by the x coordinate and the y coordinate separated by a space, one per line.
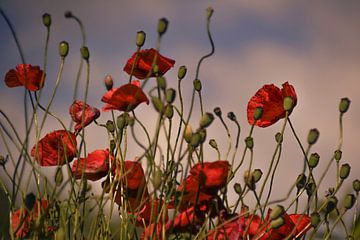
pixel 197 85
pixel 85 54
pixel 356 185
pixel 30 201
pixel 313 160
pixel 162 26
pixel 188 133
pixel 161 82
pixel 257 174
pixel 182 72
pixel 109 83
pixel 195 140
pixel 310 187
pixel 344 105
pixel 209 12
pixel 288 104
pixel 301 181
pixel 157 178
pixel 158 104
pixel 237 188
pixel 279 137
pixel 213 143
pixel 110 126
pixel 330 204
pixel 349 201
pixel 313 136
pixel 60 234
pixel 344 171
pixel 59 176
pixel 231 116
pixel 258 113
pixel 337 155
pixel 217 111
pixel 140 38
pixel 202 133
pixel 46 18
pixel 206 120
pixel 169 111
pixel 63 49
pixel 249 141
pixel 170 95
pixel 277 223
pixel 315 219
pixel 121 120
pixel 277 212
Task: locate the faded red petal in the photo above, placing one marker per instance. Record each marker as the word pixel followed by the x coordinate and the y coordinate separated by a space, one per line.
pixel 215 173
pixel 301 222
pixel 76 113
pixel 125 98
pixel 11 79
pixel 150 234
pixel 56 148
pixel 144 63
pixel 96 165
pixel 31 77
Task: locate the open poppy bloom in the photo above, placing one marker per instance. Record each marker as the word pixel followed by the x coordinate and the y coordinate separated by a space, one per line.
pixel 78 109
pixel 95 166
pixel 31 77
pixel 271 99
pixel 144 61
pixel 55 149
pixel 125 98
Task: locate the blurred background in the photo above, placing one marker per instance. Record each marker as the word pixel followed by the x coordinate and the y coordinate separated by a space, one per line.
pixel 313 45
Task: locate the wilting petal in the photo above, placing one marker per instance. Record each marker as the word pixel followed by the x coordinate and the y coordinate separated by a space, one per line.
pixel 76 113
pixel 215 173
pixel 31 77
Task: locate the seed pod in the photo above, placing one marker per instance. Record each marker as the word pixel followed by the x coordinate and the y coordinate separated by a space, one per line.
pixel 157 178
pixel 217 111
pixel 313 136
pixel 170 95
pixel 161 82
pixel 249 141
pixel 209 12
pixel 169 111
pixel 162 26
pixel 140 38
pixel 277 212
pixel 330 204
pixel 315 219
pixel 195 140
pixel 206 120
pixel 344 105
pixel 197 85
pixel 110 126
pixel 63 49
pixel 182 72
pixel 188 133
pixel 310 187
pixel 288 103
pixel 277 223
pixel 46 18
pixel 313 160
pixel 258 113
pixel 337 155
pixel 159 106
pixel 108 81
pixel 202 133
pixel 231 116
pixel 349 201
pixel 85 54
pixel 300 181
pixel 356 185
pixel 344 171
pixel 257 174
pixel 213 143
pixel 121 121
pixel 237 188
pixel 279 137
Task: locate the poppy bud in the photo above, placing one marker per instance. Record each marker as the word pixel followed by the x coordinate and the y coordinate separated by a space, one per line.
pixel 288 104
pixel 231 116
pixel 188 133
pixel 337 155
pixel 258 113
pixel 85 53
pixel 310 187
pixel 209 12
pixel 161 82
pixel 202 133
pixel 169 111
pixel 344 105
pixel 110 126
pixel 206 120
pixel 249 141
pixel 130 121
pixel 249 180
pixel 237 188
pixel 195 140
pixel 155 69
pixel 157 179
pixel 277 223
pixel 313 160
pixel 59 176
pixel 109 83
pixel 170 95
pixel 121 121
pixel 60 234
pixel 257 174
pixel 68 14
pixel 159 106
pixel 300 181
pixel 217 111
pixel 279 137
pixel 46 18
pixel 313 136
pixel 30 201
pixel 197 85
pixel 349 201
pixel 162 26
pixel 344 171
pixel 277 212
pixel 213 143
pixel 63 49
pixel 330 204
pixel 356 185
pixel 315 219
pixel 182 72
pixel 140 38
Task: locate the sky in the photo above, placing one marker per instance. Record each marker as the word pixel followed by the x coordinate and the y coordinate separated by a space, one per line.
pixel 312 45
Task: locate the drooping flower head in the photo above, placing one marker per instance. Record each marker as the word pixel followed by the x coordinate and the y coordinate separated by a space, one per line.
pixel 31 77
pixel 144 63
pixel 78 109
pixel 271 99
pixel 55 149
pixel 125 98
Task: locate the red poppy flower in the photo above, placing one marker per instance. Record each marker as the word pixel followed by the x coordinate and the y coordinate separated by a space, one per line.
pixel 56 148
pixel 96 165
pixel 125 98
pixel 31 77
pixel 144 63
pixel 215 173
pixel 270 98
pixel 77 109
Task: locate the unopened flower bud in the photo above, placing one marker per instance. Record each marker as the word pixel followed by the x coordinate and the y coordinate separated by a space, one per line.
pixel 109 83
pixel 85 54
pixel 158 104
pixel 344 105
pixel 188 133
pixel 344 171
pixel 237 188
pixel 197 85
pixel 195 140
pixel 161 82
pixel 169 111
pixel 257 174
pixel 46 18
pixel 130 121
pixel 249 180
pixel 162 26
pixel 288 104
pixel 258 113
pixel 337 155
pixel 209 12
pixel 314 160
pixel 249 141
pixel 356 185
pixel 121 121
pixel 310 187
pixel 313 136
pixel 279 137
pixel 140 38
pixel 277 223
pixel 206 120
pixel 330 204
pixel 349 201
pixel 157 179
pixel 202 133
pixel 231 116
pixel 110 126
pixel 170 95
pixel 213 143
pixel 30 201
pixel 59 176
pixel 277 212
pixel 300 181
pixel 63 49
pixel 217 111
pixel 315 219
pixel 182 72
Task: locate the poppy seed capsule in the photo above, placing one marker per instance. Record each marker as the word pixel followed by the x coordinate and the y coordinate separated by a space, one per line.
pixel 159 106
pixel 195 140
pixel 59 176
pixel 344 171
pixel 300 181
pixel 213 143
pixel 310 187
pixel 182 72
pixel 277 212
pixel 237 188
pixel 162 26
pixel 206 120
pixel 288 104
pixel 188 133
pixel 315 219
pixel 337 155
pixel 169 111
pixel 155 69
pixel 170 95
pixel 46 19
pixel 349 201
pixel 110 126
pixel 30 201
pixel 109 83
pixel 231 116
pixel 277 223
pixel 330 204
pixel 344 105
pixel 217 111
pixel 249 141
pixel 258 113
pixel 356 185
pixel 121 121
pixel 313 160
pixel 257 174
pixel 279 137
pixel 202 133
pixel 209 12
pixel 63 49
pixel 161 82
pixel 313 136
pixel 140 38
pixel 68 14
pixel 197 85
pixel 157 179
pixel 85 53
